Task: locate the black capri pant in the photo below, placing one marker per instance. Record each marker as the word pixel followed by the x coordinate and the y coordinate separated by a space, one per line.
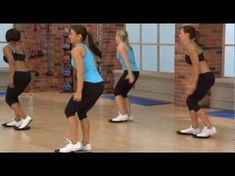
pixel 205 82
pixel 123 86
pixel 90 94
pixel 21 81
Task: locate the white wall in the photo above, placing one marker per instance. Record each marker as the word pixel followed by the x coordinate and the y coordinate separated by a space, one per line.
pixel 3 79
pixel 152 85
pixel 222 94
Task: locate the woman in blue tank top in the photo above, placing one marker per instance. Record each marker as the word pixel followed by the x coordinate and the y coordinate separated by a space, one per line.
pixel 126 57
pixel 89 88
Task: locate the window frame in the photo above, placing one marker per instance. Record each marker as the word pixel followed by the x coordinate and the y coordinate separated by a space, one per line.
pixel 5 42
pixel 158 46
pixel 223 51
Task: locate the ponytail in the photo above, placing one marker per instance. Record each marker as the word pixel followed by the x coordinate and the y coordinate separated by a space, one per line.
pixel 196 40
pixel 93 47
pixel 128 44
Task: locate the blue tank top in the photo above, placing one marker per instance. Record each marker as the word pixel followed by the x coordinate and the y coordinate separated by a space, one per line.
pixel 91 73
pixel 131 56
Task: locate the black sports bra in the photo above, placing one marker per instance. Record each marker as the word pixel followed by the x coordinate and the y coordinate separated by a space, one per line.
pixel 188 60
pixel 17 56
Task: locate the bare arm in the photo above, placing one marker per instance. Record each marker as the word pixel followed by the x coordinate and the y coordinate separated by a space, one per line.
pixel 122 51
pixel 191 87
pixel 11 62
pixel 78 54
pixel 195 64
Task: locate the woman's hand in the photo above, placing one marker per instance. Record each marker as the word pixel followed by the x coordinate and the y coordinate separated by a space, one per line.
pixel 11 83
pixel 131 78
pixel 77 96
pixel 190 88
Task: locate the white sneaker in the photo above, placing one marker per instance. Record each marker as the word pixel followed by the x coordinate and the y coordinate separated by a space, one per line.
pixel 189 131
pixel 130 118
pixel 13 123
pixel 206 132
pixel 70 147
pixel 25 122
pixel 86 148
pixel 120 118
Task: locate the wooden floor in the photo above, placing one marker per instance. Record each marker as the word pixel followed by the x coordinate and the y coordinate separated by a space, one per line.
pixel 153 129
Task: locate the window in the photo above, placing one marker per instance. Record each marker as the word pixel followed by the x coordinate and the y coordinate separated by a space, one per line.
pixel 3 29
pixel 229 50
pixel 154 46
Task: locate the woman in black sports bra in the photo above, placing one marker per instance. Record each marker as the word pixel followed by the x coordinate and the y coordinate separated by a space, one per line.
pixel 202 79
pixel 19 78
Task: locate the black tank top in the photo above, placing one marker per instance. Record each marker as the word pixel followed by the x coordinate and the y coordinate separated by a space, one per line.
pixel 16 56
pixel 188 60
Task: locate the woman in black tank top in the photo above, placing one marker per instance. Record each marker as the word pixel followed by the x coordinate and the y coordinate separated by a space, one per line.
pixel 19 78
pixel 202 80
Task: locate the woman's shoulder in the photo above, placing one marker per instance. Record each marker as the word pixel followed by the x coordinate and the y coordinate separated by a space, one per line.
pixel 9 49
pixel 192 48
pixel 122 46
pixel 79 48
pixel 197 48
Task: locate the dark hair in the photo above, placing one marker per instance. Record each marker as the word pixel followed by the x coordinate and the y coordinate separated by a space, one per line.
pixel 193 33
pixel 80 29
pixel 13 35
